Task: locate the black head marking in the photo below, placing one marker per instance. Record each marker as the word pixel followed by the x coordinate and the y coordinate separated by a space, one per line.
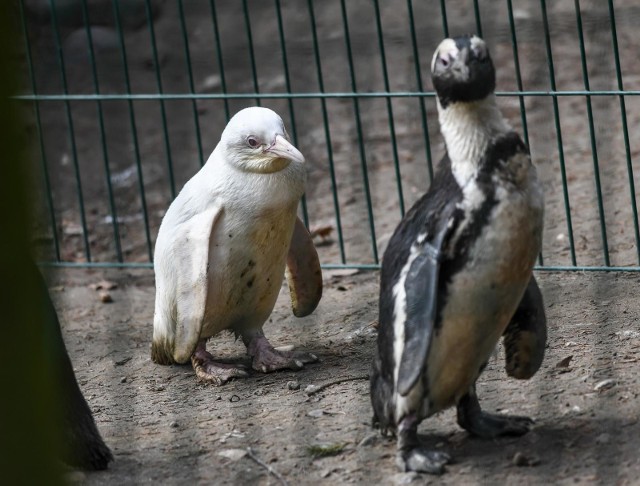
pixel 462 70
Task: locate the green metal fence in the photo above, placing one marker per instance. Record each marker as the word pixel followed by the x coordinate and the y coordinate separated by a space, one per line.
pixel 129 97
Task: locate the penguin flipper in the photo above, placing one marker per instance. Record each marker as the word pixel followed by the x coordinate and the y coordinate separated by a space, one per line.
pixel 421 294
pixel 191 259
pixel 303 272
pixel 526 335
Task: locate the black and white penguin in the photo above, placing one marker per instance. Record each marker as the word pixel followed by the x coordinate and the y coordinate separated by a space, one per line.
pixel 457 273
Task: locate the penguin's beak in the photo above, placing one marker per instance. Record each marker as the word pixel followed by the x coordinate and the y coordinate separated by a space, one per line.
pixel 281 148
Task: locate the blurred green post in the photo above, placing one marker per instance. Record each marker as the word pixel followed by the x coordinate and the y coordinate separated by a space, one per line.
pixel 28 436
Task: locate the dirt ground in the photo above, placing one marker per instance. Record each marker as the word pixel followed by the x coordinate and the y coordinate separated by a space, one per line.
pixel 163 426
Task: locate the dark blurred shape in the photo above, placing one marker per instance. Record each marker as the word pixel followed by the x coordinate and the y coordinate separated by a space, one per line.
pixel 82 445
pixel 43 417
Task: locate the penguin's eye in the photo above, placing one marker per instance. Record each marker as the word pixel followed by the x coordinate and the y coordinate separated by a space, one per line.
pixel 252 142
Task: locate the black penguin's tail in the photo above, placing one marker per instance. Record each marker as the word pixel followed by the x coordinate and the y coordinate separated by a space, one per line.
pixel 381 399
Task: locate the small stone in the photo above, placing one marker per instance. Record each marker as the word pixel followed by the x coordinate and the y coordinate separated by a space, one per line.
pixel 123 379
pixel 103 285
pixel 368 440
pixel 404 478
pixel 326 473
pixel 311 388
pixel 210 84
pixel 316 413
pixel 233 454
pixel 174 425
pixel 564 363
pixel 105 297
pixel 293 385
pixel 603 438
pixel 520 460
pixel 604 385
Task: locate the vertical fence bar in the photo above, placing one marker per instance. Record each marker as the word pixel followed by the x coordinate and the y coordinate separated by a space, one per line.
pixel 363 156
pixel 216 34
pixel 192 88
pixel 445 23
pixel 134 131
pixel 516 62
pixel 252 56
pixel 103 135
pixel 287 80
pixel 592 135
pixel 72 137
pixel 476 12
pixel 43 154
pixel 420 87
pixel 556 116
pixel 523 110
pixel 163 111
pixel 392 129
pixel 625 128
pixel 327 132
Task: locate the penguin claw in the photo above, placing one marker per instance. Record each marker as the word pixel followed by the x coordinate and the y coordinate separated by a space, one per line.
pixel 217 374
pixel 423 460
pixel 267 362
pixel 266 358
pixel 488 426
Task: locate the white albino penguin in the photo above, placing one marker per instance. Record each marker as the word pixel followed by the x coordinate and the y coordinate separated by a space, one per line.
pixel 223 246
pixel 457 273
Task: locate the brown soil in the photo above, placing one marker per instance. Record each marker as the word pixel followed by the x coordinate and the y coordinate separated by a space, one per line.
pixel 166 428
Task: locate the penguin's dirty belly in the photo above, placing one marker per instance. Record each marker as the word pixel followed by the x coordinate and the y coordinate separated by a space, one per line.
pixel 480 303
pixel 472 323
pixel 245 274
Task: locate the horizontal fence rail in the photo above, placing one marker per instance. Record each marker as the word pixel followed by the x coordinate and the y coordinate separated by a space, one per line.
pixel 127 99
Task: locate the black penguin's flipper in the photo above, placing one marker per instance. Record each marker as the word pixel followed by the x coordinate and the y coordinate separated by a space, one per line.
pixel 526 335
pixel 487 425
pixel 421 288
pixel 412 456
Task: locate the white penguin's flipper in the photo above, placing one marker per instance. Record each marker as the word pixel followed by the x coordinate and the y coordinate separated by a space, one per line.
pixel 191 256
pixel 303 272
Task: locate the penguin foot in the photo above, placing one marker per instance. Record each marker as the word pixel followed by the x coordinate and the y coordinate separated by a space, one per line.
pixel 423 460
pixel 210 371
pixel 267 359
pixel 488 425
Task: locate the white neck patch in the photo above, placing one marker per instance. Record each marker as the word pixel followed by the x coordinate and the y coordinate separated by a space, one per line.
pixel 468 129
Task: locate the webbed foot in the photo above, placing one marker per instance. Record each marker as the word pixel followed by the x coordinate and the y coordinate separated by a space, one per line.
pixel 267 359
pixel 488 425
pixel 208 370
pixel 412 456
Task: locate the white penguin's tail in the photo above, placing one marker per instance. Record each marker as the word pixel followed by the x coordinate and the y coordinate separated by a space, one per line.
pixel 161 352
pixel 163 342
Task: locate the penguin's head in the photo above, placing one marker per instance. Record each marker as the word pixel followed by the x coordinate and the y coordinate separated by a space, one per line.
pixel 462 70
pixel 255 140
